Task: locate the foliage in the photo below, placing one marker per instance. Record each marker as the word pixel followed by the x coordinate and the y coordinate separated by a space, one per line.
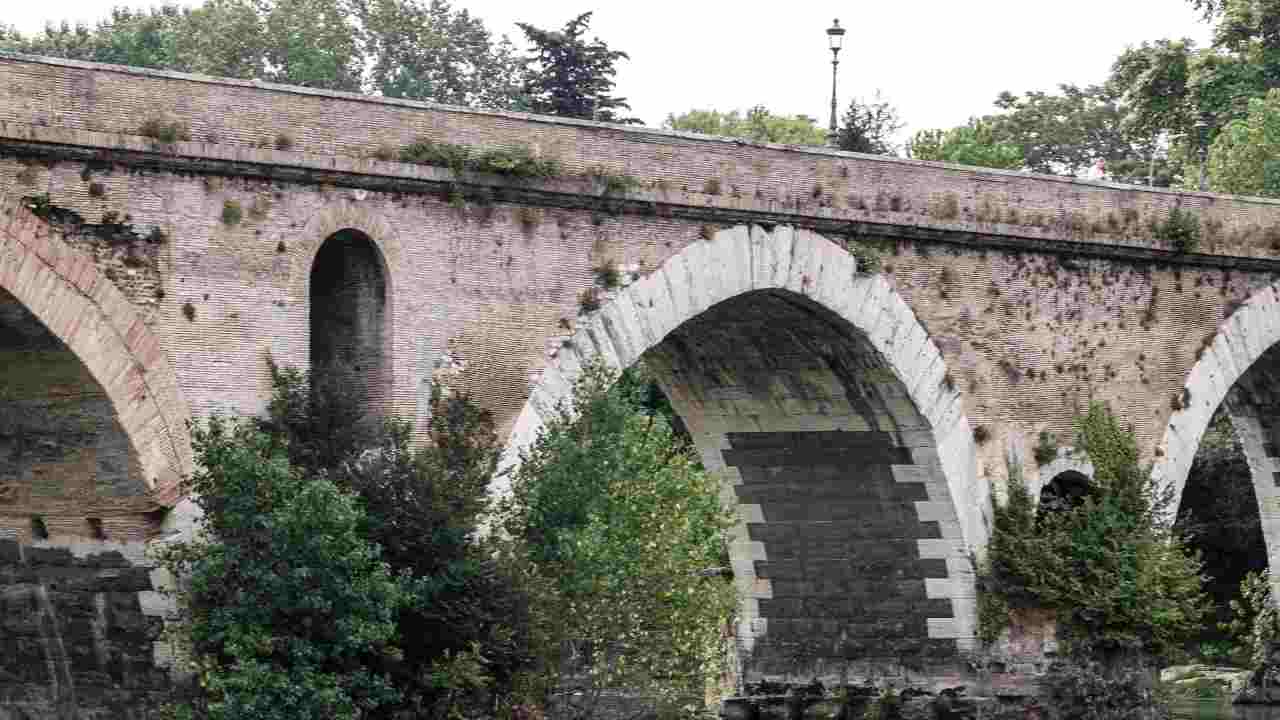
pixel 758 124
pixel 1245 157
pixel 1046 448
pixel 166 132
pixel 517 161
pixel 972 144
pixel 1068 132
pixel 1120 581
pixel 1181 229
pixel 287 608
pixel 628 526
pixel 436 52
pixel 465 627
pixel 1255 620
pixel 868 126
pixel 1088 690
pixel 232 213
pixel 419 49
pixel 571 77
pixel 1219 516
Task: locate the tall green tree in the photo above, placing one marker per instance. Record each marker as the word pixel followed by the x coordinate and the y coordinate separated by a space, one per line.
pixel 758 124
pixel 437 52
pixel 571 76
pixel 869 127
pixel 1245 157
pixel 632 532
pixel 1063 133
pixel 972 144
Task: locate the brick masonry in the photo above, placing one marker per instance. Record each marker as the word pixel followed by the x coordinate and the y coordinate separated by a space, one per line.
pixel 1007 301
pixel 81 632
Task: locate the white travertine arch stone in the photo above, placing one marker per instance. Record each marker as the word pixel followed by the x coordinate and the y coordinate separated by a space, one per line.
pixel 741 259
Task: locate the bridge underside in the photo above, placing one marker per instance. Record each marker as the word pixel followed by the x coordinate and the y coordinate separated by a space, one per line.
pixel 849 549
pixel 66 465
pixel 1253 404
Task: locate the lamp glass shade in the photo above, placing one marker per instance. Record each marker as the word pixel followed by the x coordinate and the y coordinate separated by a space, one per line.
pixel 835 35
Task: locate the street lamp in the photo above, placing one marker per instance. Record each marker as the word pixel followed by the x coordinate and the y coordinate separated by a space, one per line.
pixel 1202 138
pixel 835 36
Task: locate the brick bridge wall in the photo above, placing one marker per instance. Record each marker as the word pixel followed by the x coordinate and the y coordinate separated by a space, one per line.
pixel 1006 303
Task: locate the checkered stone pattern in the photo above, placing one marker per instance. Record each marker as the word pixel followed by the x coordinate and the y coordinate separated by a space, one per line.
pixel 840 525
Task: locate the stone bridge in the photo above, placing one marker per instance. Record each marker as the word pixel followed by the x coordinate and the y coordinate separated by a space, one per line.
pixel 866 349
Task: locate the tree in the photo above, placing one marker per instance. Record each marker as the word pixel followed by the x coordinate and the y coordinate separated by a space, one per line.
pixel 1121 581
pixel 1245 158
pixel 287 608
pixel 1064 133
pixel 972 144
pixel 398 48
pixel 464 626
pixel 758 125
pixel 633 534
pixel 571 77
pixel 443 54
pixel 869 127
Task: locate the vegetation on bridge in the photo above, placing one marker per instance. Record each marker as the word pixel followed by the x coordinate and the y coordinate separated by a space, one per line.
pixel 342 573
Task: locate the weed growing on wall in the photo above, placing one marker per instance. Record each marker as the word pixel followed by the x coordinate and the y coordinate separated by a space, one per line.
pixel 165 131
pixel 1121 582
pixel 1181 230
pixel 517 161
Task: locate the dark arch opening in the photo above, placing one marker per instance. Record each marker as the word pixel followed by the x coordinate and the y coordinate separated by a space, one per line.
pixel 835 462
pixel 1218 511
pixel 349 333
pixel 63 451
pixel 1068 489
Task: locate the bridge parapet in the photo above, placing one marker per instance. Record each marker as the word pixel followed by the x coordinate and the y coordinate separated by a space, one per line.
pixel 236 127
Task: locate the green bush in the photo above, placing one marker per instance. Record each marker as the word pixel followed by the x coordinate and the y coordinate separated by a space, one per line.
pixel 517 161
pixel 1121 582
pixel 1181 230
pixel 617 512
pixel 288 610
pixel 464 628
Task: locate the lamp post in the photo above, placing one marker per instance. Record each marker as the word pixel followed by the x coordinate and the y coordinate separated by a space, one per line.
pixel 1202 139
pixel 835 36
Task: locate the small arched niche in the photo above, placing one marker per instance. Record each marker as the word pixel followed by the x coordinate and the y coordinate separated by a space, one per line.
pixel 350 335
pixel 1066 490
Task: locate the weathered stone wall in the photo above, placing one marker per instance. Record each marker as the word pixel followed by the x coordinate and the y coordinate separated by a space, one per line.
pixel 81 632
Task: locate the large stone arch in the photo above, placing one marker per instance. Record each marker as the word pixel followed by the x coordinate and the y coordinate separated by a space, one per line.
pixel 741 272
pixel 62 287
pixel 1244 356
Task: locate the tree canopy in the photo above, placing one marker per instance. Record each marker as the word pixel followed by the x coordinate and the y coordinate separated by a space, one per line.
pixel 758 124
pixel 570 76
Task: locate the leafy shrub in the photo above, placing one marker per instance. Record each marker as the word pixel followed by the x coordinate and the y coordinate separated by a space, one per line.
pixel 232 213
pixel 1143 589
pixel 465 626
pixel 1181 230
pixel 287 608
pixel 165 131
pixel 517 161
pixel 1255 621
pixel 586 501
pixel 1046 449
pixel 1089 690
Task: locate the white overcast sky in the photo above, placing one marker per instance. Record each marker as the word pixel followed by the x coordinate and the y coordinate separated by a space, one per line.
pixel 938 61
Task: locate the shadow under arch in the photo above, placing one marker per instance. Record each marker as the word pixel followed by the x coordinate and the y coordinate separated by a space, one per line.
pixel 1240 372
pixel 349 317
pixel 821 399
pixel 62 287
